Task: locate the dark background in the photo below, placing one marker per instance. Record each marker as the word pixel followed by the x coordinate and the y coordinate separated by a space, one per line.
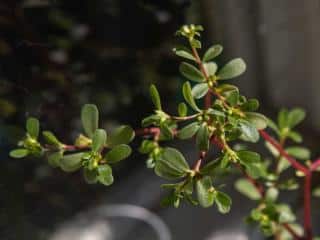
pixel 57 55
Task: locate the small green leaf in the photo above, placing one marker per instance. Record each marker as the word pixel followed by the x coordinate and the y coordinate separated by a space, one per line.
pixel 184 52
pixel 251 105
pixel 211 168
pixel 99 140
pixel 200 90
pixel 247 157
pixel 155 97
pixel 90 119
pixel 191 72
pixel 71 162
pixel 203 138
pixel 91 176
pixel 212 52
pixel 286 214
pixel 121 135
pixel 182 110
pixel 54 158
pixel 118 153
pixel 105 175
pixel 147 146
pixel 299 152
pixel 295 136
pixel 283 118
pixel 223 202
pixel 166 131
pixel 211 68
pixel 272 194
pixel 171 164
pixel 248 189
pixel 51 138
pixel 296 116
pixel 19 153
pixel 316 192
pixel 257 119
pixel 225 161
pixel 187 94
pixel 195 43
pixel 188 131
pixel 32 127
pixel 232 69
pixel 232 97
pixel 271 124
pixel 205 192
pixel 249 131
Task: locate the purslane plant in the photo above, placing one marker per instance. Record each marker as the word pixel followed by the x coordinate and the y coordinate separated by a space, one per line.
pixel 218 122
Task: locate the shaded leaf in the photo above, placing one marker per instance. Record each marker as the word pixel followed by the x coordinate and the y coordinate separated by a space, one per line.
pixel 118 153
pixel 187 94
pixel 90 119
pixel 33 127
pixel 71 162
pixel 19 153
pixel 248 189
pixel 105 174
pixel 155 97
pixel 205 192
pixel 191 72
pixel 99 140
pixel 200 90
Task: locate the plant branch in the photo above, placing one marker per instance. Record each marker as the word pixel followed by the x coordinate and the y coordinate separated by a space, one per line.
pixel 275 144
pixel 307 207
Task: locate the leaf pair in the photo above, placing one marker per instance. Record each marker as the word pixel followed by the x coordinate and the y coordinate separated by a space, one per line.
pixel 207 195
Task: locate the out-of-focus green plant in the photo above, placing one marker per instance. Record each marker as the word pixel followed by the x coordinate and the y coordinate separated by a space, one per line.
pixel 225 116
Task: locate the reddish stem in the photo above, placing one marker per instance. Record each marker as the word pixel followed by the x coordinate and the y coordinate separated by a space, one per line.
pixel 307 207
pixel 292 231
pixel 315 165
pixel 274 143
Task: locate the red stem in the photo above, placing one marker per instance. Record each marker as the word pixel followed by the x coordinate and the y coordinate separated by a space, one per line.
pixel 315 165
pixel 274 143
pixel 291 231
pixel 307 207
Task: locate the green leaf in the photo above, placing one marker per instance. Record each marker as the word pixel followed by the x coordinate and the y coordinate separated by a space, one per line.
pixel 248 189
pixel 283 118
pixel 153 119
pixel 286 214
pixel 19 153
pixel 121 135
pixel 232 97
pixel 51 138
pixel 191 72
pixel 147 146
pixel 71 162
pixel 155 97
pixel 200 90
pixel 32 127
pixel 118 153
pixel 54 158
pixel 211 68
pixel 166 131
pixel 182 110
pixel 248 156
pixel 316 192
pixel 232 69
pixel 202 138
pixel 272 194
pixel 195 43
pixel 188 131
pixel 90 119
pixel 105 174
pixel 225 161
pixel 99 140
pixel 295 136
pixel 299 152
pixel 91 176
pixel 271 124
pixel 250 105
pixel 171 164
pixel 296 116
pixel 205 192
pixel 249 131
pixel 223 202
pixel 211 168
pixel 184 52
pixel 187 94
pixel 212 52
pixel 257 119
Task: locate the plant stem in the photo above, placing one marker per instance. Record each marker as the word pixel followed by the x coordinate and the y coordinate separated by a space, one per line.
pixel 307 207
pixel 207 99
pixel 274 143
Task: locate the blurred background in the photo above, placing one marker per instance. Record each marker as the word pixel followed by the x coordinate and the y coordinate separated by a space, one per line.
pixel 57 55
